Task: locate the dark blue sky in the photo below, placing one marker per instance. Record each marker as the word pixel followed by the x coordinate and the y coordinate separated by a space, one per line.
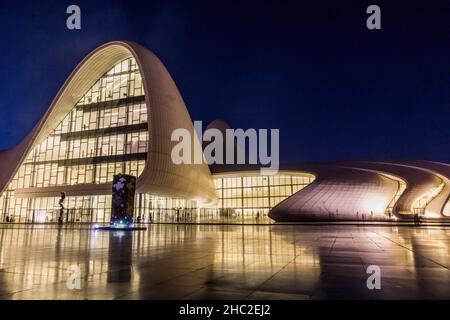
pixel 312 69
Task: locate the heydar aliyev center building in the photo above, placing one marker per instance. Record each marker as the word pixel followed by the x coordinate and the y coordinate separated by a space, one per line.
pixel 115 114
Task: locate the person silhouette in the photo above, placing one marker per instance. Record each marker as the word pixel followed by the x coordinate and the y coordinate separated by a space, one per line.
pixel 61 205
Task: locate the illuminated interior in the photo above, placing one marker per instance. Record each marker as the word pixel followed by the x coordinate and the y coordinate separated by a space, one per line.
pixel 79 146
pixel 106 133
pixel 110 120
pixel 252 195
pixel 420 204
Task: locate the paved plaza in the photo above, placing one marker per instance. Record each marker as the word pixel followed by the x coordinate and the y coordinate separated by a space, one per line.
pixel 169 261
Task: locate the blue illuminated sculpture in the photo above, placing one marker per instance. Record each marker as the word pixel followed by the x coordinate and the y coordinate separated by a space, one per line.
pixel 122 204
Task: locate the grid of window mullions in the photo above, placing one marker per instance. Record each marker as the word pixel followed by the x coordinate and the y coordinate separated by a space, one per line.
pixel 125 106
pixel 34 173
pixel 132 86
pixel 257 192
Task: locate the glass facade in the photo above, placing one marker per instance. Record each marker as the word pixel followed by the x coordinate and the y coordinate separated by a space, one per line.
pixel 251 196
pixel 97 208
pixel 420 204
pixel 105 133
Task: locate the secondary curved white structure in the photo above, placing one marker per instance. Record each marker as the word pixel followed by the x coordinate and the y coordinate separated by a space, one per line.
pixel 365 190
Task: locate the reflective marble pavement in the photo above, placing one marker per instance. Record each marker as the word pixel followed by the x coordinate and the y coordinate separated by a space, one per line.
pixel 225 262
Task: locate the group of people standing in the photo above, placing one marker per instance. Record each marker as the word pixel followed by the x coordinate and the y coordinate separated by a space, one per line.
pixel 9 219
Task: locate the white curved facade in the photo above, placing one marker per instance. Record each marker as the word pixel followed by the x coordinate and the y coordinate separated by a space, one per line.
pixel 116 113
pixel 364 190
pixel 69 152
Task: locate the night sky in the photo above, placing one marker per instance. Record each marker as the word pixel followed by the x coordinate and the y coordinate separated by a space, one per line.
pixel 336 90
